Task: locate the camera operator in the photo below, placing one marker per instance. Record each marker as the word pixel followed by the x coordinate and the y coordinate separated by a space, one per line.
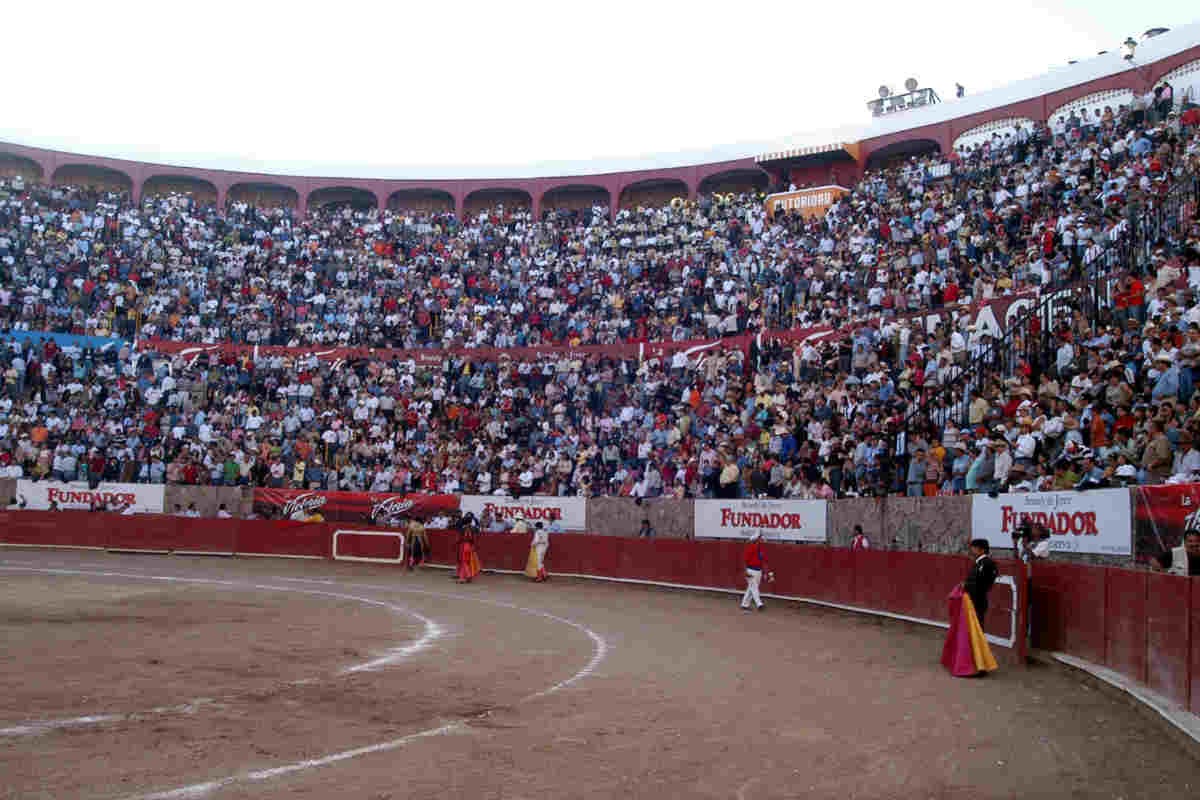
pixel 1031 541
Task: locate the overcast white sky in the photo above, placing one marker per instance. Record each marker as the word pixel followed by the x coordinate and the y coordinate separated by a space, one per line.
pixel 399 89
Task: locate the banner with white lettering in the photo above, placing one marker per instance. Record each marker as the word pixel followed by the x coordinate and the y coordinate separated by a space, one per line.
pixel 776 520
pixel 146 498
pixel 569 512
pixel 1097 521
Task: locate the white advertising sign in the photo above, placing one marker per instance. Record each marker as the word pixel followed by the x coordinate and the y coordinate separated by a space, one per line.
pixel 147 498
pixel 776 520
pixel 1096 521
pixel 569 512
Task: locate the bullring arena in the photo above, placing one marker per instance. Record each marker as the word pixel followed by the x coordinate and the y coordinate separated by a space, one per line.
pixel 223 392
pixel 150 676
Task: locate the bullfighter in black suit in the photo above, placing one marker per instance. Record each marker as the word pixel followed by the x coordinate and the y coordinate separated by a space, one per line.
pixel 981 577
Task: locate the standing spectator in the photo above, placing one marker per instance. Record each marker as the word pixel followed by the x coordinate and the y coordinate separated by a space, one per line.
pixel 916 474
pixel 860 540
pixel 1156 458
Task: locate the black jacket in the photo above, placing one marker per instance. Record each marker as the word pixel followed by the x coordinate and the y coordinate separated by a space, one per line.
pixel 979 582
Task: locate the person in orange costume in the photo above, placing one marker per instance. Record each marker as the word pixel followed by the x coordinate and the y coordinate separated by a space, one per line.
pixel 468 559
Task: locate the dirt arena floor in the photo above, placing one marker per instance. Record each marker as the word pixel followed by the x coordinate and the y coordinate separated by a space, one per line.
pixel 125 676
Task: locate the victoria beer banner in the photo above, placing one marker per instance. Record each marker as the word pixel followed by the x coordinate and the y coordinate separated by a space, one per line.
pixel 374 508
pixel 1162 515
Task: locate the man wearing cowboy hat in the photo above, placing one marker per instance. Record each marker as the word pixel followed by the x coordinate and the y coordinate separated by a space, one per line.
pixel 1166 387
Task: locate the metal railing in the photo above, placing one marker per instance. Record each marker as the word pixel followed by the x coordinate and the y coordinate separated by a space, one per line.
pixel 1029 343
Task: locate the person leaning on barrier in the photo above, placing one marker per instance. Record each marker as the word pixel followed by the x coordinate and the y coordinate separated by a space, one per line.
pixel 1185 559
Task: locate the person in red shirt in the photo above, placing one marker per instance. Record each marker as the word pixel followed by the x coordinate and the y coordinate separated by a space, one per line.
pixel 755 564
pixel 860 540
pixel 1136 299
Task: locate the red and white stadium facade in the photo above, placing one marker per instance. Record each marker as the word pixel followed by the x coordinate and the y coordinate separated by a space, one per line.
pixel 1107 79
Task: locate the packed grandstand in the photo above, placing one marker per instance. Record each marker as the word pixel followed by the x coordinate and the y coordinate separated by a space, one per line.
pixel 700 347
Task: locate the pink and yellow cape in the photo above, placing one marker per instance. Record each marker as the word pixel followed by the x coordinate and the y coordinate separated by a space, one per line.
pixel 966 652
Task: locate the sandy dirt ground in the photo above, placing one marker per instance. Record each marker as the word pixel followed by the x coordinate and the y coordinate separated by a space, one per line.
pixel 168 677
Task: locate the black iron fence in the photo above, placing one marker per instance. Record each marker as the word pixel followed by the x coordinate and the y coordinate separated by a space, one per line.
pixel 1082 298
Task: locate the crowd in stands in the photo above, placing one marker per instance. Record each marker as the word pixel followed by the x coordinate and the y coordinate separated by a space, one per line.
pixel 1109 405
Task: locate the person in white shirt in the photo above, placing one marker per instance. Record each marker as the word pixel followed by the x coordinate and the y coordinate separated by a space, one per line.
pixel 223 513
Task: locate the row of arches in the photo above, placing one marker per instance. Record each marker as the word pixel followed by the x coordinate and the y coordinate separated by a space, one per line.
pixel 1090 106
pixel 1184 81
pixel 568 196
pixel 1052 110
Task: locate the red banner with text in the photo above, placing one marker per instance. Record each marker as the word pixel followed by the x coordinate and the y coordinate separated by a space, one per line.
pixel 1162 515
pixel 694 348
pixel 373 508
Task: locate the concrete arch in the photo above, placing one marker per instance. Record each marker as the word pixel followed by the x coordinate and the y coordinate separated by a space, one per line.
pixel 263 195
pixel 1185 81
pixel 653 192
pixel 900 150
pixel 1003 128
pixel 426 201
pixel 113 180
pixel 486 199
pixel 12 166
pixel 576 197
pixel 1094 103
pixel 202 191
pixel 352 196
pixel 735 180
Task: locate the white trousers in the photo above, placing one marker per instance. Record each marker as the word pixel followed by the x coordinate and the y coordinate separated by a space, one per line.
pixel 753 576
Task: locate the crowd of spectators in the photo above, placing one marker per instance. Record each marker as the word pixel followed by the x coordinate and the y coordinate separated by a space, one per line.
pixel 816 418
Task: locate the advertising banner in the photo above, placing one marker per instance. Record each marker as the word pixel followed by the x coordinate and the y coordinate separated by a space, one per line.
pixel 146 498
pixel 810 203
pixel 1162 516
pixel 434 358
pixel 569 512
pixel 776 520
pixel 379 508
pixel 1095 521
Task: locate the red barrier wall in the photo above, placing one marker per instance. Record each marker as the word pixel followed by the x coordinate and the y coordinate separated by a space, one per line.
pixel 24 527
pixel 1194 670
pixel 282 538
pixel 155 532
pixel 369 545
pixel 1167 621
pixel 1125 622
pixel 1067 607
pixel 1143 625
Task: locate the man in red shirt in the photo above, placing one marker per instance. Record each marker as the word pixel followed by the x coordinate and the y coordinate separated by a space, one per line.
pixel 755 564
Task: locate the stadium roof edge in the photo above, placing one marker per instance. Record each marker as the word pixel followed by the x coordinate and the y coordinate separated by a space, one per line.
pixel 812 144
pixel 1176 40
